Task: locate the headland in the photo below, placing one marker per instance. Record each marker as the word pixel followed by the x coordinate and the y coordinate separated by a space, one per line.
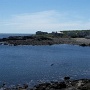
pixel 78 37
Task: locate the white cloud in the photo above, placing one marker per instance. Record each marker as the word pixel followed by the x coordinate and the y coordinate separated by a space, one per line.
pixel 44 21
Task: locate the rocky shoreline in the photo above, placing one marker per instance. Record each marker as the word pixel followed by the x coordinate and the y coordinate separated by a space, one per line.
pixel 42 40
pixel 82 84
pixel 66 84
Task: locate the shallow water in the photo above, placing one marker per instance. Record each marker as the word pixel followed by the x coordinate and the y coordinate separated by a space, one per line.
pixel 32 64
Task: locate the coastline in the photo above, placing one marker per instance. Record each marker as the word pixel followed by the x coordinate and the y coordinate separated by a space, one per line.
pixel 81 84
pixel 41 40
pixel 66 84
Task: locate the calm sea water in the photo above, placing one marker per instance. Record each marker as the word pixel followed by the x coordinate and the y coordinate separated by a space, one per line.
pixel 32 64
pixel 7 35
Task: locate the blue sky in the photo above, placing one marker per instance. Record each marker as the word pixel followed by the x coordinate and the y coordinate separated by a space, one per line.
pixel 29 16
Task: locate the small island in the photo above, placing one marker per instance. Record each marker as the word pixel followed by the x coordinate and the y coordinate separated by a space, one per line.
pixel 74 37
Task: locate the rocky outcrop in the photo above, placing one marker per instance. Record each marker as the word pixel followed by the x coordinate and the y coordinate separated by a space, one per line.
pixel 43 40
pixel 82 84
pixel 67 84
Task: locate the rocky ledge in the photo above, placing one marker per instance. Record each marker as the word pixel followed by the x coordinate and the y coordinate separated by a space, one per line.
pixel 82 84
pixel 67 84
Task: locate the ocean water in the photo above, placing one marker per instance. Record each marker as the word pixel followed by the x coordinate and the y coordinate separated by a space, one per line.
pixel 34 64
pixel 7 35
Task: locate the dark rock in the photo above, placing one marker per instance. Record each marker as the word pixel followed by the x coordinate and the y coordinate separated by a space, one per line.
pixel 83 45
pixel 4 84
pixel 15 44
pixel 25 86
pixel 66 78
pixel 60 85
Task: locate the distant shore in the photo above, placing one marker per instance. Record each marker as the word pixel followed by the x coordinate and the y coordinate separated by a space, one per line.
pixel 74 37
pixel 41 40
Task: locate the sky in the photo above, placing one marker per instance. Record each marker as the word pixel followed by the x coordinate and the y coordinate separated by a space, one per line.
pixel 29 16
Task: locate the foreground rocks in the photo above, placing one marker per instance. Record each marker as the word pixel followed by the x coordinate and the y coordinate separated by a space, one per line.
pixel 83 84
pixel 67 84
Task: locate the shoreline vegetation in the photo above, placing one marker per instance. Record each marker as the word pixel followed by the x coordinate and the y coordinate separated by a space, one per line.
pixel 76 37
pixel 66 84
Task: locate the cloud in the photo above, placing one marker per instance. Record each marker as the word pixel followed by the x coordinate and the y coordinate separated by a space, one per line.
pixel 45 21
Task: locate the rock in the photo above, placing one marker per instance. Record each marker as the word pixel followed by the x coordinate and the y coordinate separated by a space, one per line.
pixel 83 45
pixel 66 78
pixel 61 85
pixel 50 86
pixel 25 86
